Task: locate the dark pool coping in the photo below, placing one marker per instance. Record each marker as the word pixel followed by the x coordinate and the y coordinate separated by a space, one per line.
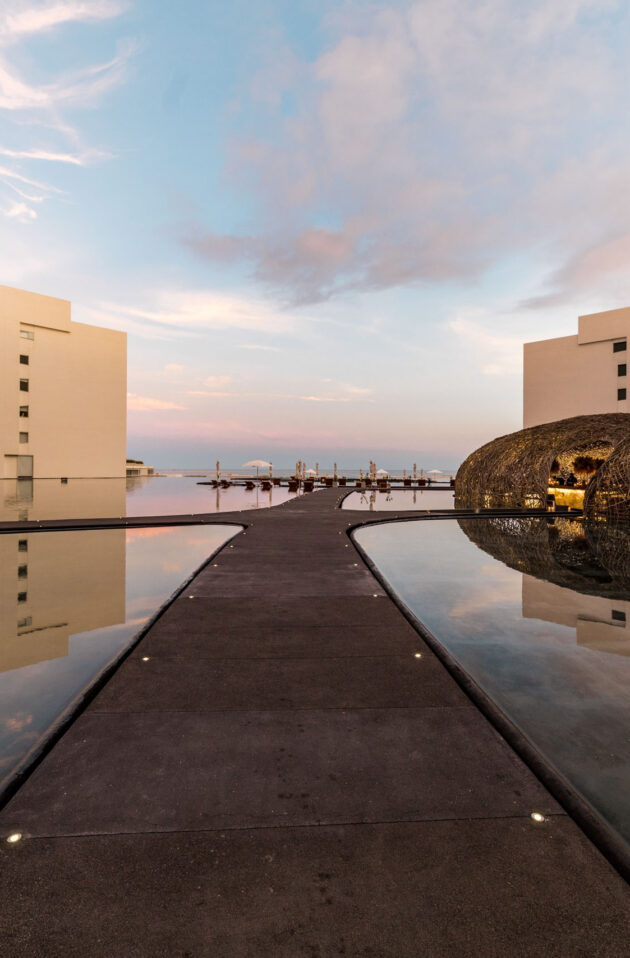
pixel 583 813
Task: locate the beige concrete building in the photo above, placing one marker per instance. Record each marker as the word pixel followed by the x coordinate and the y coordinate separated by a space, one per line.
pixel 578 375
pixel 63 392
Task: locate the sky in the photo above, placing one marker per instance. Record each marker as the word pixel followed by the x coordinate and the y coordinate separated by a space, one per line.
pixel 327 227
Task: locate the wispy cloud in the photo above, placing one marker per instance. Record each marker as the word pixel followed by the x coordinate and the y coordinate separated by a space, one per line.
pixel 148 404
pixel 74 159
pixel 257 346
pixel 38 130
pixel 498 355
pixel 357 390
pixel 83 87
pixel 7 173
pixel 217 381
pixel 30 18
pixel 326 398
pixel 20 212
pixel 195 311
pixel 217 394
pixel 411 150
pixel 603 267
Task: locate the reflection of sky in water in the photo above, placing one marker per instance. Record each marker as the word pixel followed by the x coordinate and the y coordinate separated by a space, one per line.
pixel 88 594
pixel 376 501
pixel 22 499
pixel 556 661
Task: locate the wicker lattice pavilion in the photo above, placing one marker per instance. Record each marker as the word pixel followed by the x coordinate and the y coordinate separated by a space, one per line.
pixel 513 471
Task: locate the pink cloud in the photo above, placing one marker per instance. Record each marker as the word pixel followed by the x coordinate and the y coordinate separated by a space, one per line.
pixel 415 150
pixel 148 404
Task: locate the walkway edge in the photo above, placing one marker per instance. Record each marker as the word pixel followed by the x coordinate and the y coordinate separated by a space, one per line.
pixel 73 710
pixel 593 826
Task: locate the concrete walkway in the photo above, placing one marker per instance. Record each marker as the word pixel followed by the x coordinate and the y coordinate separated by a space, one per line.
pixel 284 777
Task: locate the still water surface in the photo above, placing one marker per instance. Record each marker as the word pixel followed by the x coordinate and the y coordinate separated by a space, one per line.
pixel 28 499
pixel 537 611
pixel 69 603
pixel 399 499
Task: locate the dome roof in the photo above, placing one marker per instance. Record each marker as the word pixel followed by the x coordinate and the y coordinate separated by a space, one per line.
pixel 513 471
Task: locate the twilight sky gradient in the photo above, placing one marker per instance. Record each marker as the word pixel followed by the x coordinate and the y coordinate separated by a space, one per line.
pixel 328 227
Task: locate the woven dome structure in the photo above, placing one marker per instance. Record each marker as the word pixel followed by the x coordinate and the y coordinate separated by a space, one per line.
pixel 587 556
pixel 609 492
pixel 512 472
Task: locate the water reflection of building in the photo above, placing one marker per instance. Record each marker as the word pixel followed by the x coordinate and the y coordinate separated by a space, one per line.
pixel 575 572
pixel 54 585
pixel 23 499
pixel 601 623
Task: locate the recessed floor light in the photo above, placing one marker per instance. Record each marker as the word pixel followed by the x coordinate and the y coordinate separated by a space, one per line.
pixel 537 816
pixel 145 658
pixel 417 655
pixel 14 838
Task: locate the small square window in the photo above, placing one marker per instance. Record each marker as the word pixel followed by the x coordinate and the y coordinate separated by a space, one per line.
pixel 25 622
pixel 22 596
pixel 23 437
pixel 23 360
pixel 24 385
pixel 22 571
pixel 27 334
pixel 22 545
pixel 621 369
pixel 23 412
pixel 621 394
pixel 618 616
pixel 620 347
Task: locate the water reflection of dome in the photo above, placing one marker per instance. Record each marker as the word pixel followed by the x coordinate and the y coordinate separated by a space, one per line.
pixel 515 471
pixel 575 573
pixel 586 556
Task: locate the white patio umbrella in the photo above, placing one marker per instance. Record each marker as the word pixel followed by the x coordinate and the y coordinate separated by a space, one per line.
pixel 259 463
pixel 382 472
pixel 435 470
pixel 311 472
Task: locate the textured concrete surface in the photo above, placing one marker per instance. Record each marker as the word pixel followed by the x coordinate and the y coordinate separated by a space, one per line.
pixel 284 777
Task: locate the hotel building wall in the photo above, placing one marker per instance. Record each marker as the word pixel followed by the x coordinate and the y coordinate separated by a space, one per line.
pixel 578 375
pixel 62 391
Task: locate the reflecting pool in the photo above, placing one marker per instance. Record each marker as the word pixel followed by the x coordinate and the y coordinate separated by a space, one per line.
pixel 537 611
pixel 25 499
pixel 399 499
pixel 69 603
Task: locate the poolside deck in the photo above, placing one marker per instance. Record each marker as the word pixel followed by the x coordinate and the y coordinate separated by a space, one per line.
pixel 284 777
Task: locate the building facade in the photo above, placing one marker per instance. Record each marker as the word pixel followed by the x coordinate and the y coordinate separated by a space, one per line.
pixel 578 375
pixel 63 391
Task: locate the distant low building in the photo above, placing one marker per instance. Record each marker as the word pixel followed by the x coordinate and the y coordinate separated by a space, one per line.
pixel 136 467
pixel 63 389
pixel 578 375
